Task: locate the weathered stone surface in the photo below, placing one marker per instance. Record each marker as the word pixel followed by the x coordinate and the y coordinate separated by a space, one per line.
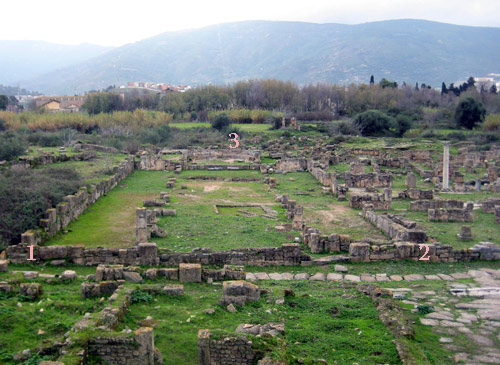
pixel 413 277
pixel 341 268
pixel 460 275
pixel 4 287
pixel 381 277
pixel 132 276
pixel 318 277
pixel 68 275
pixel 301 276
pixel 432 277
pixel 169 274
pixel 446 277
pixel 367 278
pixel 250 277
pixel 334 277
pixel 174 290
pixel 353 278
pixel 239 292
pixel 4 266
pixel 359 252
pixel 396 277
pixel 190 273
pixel 261 276
pixel 429 322
pixel 31 290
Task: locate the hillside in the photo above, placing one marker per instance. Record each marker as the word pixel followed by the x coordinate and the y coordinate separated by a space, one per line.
pixel 401 50
pixel 27 59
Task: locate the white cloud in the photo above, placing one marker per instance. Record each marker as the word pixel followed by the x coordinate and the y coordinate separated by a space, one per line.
pixel 115 22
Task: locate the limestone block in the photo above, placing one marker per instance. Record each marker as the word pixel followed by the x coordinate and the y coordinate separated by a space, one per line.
pixel 190 273
pixel 239 292
pixel 31 290
pixel 174 290
pixel 151 273
pixel 68 275
pixel 359 252
pixel 169 274
pixel 52 252
pixel 132 276
pixel 4 287
pixel 4 265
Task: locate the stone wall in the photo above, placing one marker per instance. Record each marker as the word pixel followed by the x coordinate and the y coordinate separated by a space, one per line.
pixel 155 162
pixel 72 206
pixel 418 155
pixel 396 227
pixel 147 254
pixel 216 154
pixel 211 167
pixel 231 349
pixel 325 243
pixel 417 194
pixel 139 350
pixel 370 179
pixel 291 165
pixel 378 201
pixel 426 204
pixel 488 206
pixel 325 178
pixel 398 163
pixel 32 162
pixel 450 215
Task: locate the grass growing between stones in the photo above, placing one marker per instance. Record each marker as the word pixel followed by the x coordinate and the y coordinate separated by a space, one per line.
pixel 321 321
pixel 110 222
pixel 483 228
pixel 54 313
pixel 198 225
pixel 322 210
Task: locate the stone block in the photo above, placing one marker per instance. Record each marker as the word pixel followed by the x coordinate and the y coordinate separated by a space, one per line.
pixel 132 276
pixel 239 292
pixel 31 290
pixel 169 274
pixel 68 275
pixel 174 290
pixel 52 252
pixel 359 252
pixel 4 287
pixel 4 265
pixel 190 273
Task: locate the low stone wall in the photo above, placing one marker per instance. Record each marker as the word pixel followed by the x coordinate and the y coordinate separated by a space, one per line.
pixel 397 163
pixel 450 215
pixel 221 178
pixel 424 174
pixel 139 350
pixel 211 167
pixel 398 228
pixel 417 194
pixel 72 206
pixel 378 201
pixel 364 252
pixel 325 178
pixel 230 349
pixel 233 154
pixel 425 205
pixel 418 155
pixel 32 162
pixel 291 165
pixel 488 206
pixel 147 254
pixel 94 147
pixel 365 152
pixel 322 243
pixel 370 179
pixel 155 162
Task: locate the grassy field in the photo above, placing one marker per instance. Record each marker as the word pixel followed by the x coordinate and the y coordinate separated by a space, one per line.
pixel 26 324
pixel 319 322
pixel 111 221
pixel 243 127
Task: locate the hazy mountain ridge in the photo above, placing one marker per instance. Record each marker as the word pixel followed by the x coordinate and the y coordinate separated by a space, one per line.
pixel 22 60
pixel 401 50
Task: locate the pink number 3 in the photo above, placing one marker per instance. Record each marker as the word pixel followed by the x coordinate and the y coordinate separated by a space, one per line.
pixel 235 139
pixel 423 258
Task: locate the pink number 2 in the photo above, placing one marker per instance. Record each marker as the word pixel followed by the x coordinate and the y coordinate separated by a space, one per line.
pixel 31 254
pixel 235 139
pixel 423 258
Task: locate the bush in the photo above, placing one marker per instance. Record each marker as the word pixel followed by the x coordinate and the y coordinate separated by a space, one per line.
pixel 492 123
pixel 469 112
pixel 373 123
pixel 347 128
pixel 221 122
pixel 425 309
pixel 26 194
pixel 3 127
pixel 46 139
pixel 403 124
pixel 11 146
pixel 456 136
pixel 140 296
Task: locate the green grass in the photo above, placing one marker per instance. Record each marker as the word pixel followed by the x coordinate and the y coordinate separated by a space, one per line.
pixel 187 125
pixel 483 228
pixel 324 324
pixel 19 325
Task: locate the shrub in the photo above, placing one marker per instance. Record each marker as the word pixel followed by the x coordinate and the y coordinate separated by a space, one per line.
pixel 425 309
pixel 221 122
pixel 373 123
pixel 26 194
pixel 492 123
pixel 347 128
pixel 2 125
pixel 403 124
pixel 140 296
pixel 469 112
pixel 11 146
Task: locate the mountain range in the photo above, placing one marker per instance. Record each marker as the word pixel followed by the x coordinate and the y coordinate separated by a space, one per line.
pixel 399 50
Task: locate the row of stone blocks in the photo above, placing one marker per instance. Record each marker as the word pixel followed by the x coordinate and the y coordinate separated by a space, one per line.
pixel 378 201
pixel 29 290
pixel 398 228
pixel 322 243
pixel 73 206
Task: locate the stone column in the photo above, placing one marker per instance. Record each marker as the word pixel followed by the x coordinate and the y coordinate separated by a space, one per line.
pixel 141 228
pixel 446 166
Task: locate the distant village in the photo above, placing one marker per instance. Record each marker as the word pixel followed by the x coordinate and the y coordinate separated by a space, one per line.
pixel 73 104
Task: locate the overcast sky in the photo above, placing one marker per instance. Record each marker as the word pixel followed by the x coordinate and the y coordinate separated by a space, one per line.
pixel 116 22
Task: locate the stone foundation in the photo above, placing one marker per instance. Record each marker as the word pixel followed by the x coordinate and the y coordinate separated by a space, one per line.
pixel 370 179
pixel 378 201
pixel 450 215
pixel 398 228
pixel 425 205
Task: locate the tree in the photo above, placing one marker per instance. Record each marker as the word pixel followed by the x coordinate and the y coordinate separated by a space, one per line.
pixel 4 101
pixel 469 112
pixel 373 123
pixel 493 89
pixel 403 123
pixel 386 83
pixel 372 80
pixel 221 121
pixel 444 89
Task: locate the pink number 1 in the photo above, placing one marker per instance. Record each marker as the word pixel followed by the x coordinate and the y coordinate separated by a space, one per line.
pixel 31 254
pixel 423 258
pixel 235 139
